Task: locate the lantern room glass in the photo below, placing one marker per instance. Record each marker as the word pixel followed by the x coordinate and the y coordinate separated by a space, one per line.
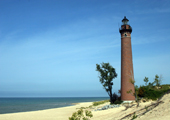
pixel 125 22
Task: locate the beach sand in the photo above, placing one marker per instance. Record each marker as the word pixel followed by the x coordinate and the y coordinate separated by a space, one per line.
pixel 49 114
pixel 161 112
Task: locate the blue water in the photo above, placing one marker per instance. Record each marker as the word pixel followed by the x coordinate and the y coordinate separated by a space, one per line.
pixel 14 105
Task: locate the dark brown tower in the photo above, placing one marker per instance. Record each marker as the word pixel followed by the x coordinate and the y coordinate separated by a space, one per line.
pixel 126 61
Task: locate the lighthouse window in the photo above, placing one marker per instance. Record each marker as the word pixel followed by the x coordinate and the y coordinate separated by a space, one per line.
pixel 125 34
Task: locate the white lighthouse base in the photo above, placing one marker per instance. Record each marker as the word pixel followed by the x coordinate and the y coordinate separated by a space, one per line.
pixel 129 101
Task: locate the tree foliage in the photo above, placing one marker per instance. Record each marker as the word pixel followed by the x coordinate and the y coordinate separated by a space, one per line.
pixel 158 80
pixel 146 79
pixel 107 74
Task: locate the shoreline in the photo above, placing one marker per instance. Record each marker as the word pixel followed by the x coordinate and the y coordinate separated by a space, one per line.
pixel 72 104
pixel 61 113
pixel 17 105
pixel 161 112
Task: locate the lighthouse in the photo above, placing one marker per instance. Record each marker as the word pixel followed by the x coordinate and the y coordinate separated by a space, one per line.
pixel 127 75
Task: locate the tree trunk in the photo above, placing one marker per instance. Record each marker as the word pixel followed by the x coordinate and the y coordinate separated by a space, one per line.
pixel 111 98
pixel 111 101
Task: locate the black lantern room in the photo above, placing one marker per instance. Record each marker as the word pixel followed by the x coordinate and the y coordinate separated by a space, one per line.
pixel 125 27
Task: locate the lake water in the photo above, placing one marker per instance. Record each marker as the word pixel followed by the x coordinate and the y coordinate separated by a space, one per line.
pixel 13 105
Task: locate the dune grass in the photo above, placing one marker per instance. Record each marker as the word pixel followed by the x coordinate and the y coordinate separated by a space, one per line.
pixel 100 102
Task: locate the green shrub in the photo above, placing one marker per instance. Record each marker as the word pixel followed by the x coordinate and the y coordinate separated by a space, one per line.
pixel 163 87
pixel 141 91
pixel 114 97
pixel 100 102
pixel 90 106
pixel 153 94
pixel 79 115
pixel 118 102
pixel 134 116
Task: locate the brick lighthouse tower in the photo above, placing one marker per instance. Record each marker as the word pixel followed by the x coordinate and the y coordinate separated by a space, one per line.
pixel 126 62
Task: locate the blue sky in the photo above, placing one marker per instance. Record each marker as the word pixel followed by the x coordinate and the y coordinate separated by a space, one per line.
pixel 50 48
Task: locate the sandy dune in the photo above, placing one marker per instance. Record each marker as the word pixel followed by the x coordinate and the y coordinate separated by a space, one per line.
pixel 161 112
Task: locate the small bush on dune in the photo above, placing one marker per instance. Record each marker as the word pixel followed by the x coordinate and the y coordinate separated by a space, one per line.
pixel 153 90
pixel 79 115
pixel 118 102
pixel 141 91
pixel 114 97
pixel 153 94
pixel 134 116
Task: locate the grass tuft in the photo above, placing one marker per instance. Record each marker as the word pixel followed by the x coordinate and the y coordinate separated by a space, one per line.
pixel 100 102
